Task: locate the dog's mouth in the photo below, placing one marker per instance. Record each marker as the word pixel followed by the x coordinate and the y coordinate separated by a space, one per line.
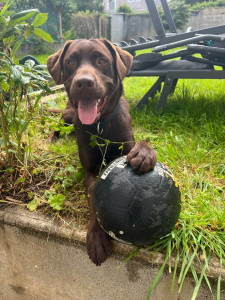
pixel 89 109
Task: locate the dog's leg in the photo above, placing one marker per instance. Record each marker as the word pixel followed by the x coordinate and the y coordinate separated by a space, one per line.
pixel 99 245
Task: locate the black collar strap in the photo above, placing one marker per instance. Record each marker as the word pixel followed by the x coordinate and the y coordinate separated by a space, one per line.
pixel 102 124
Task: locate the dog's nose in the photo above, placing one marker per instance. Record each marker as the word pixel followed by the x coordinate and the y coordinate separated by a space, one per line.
pixel 84 81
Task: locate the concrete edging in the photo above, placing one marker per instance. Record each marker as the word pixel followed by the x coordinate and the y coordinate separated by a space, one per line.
pixel 18 227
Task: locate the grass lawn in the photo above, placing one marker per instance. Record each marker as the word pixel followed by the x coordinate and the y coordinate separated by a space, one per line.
pixel 189 137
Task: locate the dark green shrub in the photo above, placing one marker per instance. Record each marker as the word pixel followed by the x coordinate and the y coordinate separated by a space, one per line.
pixel 206 4
pixel 124 8
pixel 16 108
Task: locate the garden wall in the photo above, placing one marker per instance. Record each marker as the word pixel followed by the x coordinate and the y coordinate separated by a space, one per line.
pixel 133 26
pixel 43 259
pixel 90 26
pixel 126 27
pixel 208 17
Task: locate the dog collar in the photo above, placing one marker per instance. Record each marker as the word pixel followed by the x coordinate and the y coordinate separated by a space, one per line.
pixel 102 124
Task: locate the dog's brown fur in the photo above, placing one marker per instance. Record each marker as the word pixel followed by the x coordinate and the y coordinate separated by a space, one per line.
pixel 92 70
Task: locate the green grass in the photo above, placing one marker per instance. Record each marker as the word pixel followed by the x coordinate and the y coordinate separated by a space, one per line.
pixel 41 58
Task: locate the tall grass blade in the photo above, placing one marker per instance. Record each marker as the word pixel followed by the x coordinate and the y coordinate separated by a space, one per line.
pixel 219 281
pixel 131 255
pixel 195 293
pixel 156 279
pixel 175 269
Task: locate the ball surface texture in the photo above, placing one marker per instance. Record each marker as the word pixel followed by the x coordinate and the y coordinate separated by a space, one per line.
pixel 133 208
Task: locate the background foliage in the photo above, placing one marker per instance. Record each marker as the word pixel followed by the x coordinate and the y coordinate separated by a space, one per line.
pixel 66 7
pixel 88 25
pixel 90 5
pixel 205 4
pixel 124 8
pixel 179 11
pixel 192 2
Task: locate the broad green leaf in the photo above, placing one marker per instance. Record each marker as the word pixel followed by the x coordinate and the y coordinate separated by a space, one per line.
pixel 2 23
pixel 37 67
pixel 9 33
pixel 56 201
pixel 16 46
pixel 70 169
pixel 33 204
pixel 5 62
pixel 40 19
pixel 2 54
pixel 79 176
pixel 20 179
pixel 9 13
pixel 42 34
pixel 4 85
pixel 29 63
pixel 17 76
pixel 21 17
pixel 28 31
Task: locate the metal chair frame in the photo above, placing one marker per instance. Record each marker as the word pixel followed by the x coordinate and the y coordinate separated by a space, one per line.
pixel 189 66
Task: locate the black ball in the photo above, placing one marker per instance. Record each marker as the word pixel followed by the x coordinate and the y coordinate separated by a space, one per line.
pixel 133 208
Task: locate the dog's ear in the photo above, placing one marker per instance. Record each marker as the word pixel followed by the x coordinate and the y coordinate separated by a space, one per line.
pixel 54 63
pixel 123 59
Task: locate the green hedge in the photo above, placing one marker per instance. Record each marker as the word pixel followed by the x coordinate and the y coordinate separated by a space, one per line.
pixel 201 6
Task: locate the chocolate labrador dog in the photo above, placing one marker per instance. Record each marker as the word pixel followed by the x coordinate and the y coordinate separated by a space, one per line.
pixel 92 72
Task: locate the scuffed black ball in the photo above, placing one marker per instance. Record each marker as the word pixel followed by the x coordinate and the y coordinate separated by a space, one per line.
pixel 133 208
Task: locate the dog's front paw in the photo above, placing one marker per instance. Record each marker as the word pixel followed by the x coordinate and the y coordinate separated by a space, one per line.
pixel 99 245
pixel 54 135
pixel 142 157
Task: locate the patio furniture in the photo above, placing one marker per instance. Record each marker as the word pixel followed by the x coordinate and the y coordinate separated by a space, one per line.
pixel 208 42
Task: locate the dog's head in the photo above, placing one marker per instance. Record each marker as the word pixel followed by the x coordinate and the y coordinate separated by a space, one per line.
pixel 91 70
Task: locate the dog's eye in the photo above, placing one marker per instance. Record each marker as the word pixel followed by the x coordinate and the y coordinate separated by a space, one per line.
pixel 71 62
pixel 102 61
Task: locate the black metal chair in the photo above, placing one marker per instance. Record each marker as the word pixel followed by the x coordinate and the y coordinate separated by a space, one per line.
pixel 208 42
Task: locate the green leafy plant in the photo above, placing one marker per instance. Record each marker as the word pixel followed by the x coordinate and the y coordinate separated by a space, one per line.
pixel 34 203
pixel 193 2
pixel 206 4
pixel 179 11
pixel 55 200
pixel 124 8
pixel 16 82
pixel 91 5
pixel 102 144
pixel 63 128
pixel 70 176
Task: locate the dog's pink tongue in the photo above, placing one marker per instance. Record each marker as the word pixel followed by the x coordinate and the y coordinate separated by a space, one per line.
pixel 87 111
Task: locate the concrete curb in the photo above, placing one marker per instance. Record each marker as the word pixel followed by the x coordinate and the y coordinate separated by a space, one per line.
pixel 41 223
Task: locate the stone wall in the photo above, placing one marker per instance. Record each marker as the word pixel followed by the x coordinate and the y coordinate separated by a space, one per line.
pixel 208 17
pixel 126 27
pixel 131 27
